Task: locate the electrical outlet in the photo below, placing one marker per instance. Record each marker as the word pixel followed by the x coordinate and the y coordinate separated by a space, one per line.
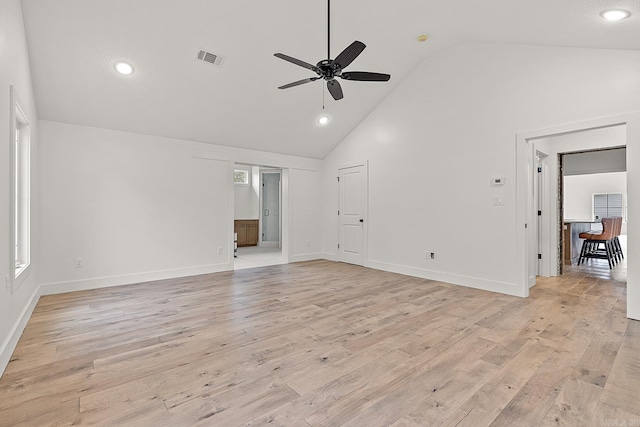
pixel 219 250
pixel 432 255
pixel 308 242
pixel 79 262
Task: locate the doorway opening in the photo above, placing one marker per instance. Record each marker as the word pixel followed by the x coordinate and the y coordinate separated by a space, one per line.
pixel 258 216
pixel 578 165
pixel 593 186
pixel 526 230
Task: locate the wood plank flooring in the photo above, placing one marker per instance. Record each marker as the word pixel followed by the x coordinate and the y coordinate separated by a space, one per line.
pixel 327 344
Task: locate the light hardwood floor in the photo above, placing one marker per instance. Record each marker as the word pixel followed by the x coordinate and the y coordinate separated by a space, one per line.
pixel 327 344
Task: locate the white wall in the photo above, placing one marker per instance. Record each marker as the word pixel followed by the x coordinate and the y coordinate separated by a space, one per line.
pixel 138 207
pixel 14 70
pixel 306 196
pixel 579 191
pixel 434 144
pixel 127 204
pixel 247 200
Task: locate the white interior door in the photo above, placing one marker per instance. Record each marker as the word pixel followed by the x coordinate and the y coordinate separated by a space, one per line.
pixel 539 191
pixel 532 220
pixel 352 221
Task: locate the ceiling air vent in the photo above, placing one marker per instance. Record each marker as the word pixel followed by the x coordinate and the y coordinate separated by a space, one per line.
pixel 211 58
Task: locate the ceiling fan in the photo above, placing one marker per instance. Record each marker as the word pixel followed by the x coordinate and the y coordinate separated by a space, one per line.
pixel 329 69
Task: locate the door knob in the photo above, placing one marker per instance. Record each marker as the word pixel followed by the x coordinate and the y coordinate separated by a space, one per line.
pixel 361 220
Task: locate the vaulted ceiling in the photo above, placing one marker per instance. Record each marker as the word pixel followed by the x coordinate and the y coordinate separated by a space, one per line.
pixel 74 44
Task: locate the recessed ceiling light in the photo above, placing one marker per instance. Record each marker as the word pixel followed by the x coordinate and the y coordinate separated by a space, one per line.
pixel 615 14
pixel 124 68
pixel 422 38
pixel 323 120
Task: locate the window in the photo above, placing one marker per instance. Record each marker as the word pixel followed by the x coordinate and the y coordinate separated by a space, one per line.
pixel 241 177
pixel 20 180
pixel 607 206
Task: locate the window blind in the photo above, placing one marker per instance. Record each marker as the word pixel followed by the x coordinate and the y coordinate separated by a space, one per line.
pixel 607 205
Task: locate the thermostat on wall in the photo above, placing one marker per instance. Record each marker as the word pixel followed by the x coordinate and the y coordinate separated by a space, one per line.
pixel 497 181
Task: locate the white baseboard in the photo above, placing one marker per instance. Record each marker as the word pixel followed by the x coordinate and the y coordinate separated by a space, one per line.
pixel 10 343
pixel 305 257
pixel 128 279
pixel 329 257
pixel 456 279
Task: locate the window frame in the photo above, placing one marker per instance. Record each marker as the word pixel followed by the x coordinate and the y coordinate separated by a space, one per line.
pixel 20 181
pixel 247 174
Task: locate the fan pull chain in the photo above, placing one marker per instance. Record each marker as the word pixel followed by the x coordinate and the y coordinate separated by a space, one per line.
pixel 322 87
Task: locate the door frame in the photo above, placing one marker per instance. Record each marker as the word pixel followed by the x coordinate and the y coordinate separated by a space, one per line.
pixel 365 227
pixel 525 156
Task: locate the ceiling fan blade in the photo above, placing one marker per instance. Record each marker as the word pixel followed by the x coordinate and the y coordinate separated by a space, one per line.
pixel 335 89
pixel 296 61
pixel 365 76
pixel 298 83
pixel 347 56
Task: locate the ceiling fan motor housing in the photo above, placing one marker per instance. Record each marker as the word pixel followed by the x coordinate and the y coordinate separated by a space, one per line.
pixel 328 69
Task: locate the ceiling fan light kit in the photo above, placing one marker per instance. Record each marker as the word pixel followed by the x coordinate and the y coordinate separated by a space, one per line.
pixel 329 69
